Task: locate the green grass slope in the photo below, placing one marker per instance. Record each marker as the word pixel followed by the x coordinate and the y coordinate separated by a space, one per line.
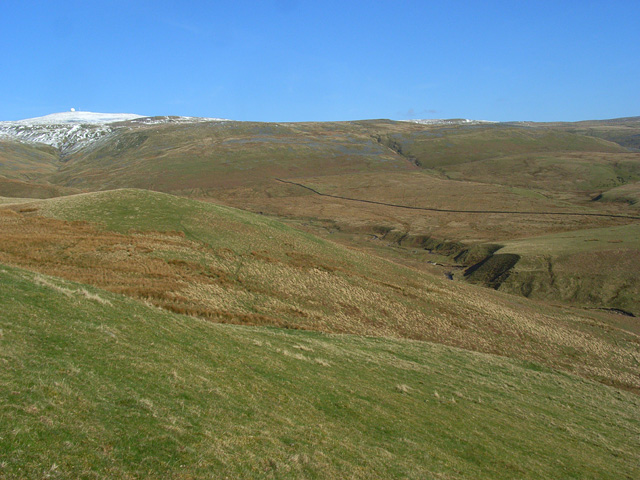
pixel 453 145
pixel 95 385
pixel 554 172
pixel 595 267
pixel 227 265
pixel 624 131
pixel 625 194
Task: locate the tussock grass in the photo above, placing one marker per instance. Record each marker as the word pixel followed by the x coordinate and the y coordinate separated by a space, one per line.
pixel 121 390
pixel 12 200
pixel 224 265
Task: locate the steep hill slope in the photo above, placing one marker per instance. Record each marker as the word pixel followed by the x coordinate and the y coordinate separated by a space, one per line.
pixel 24 161
pixel 228 265
pixel 100 386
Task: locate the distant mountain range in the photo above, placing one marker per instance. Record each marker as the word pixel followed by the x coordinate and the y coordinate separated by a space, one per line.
pixel 69 131
pixel 74 129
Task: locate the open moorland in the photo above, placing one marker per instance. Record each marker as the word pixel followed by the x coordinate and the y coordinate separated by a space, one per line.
pixel 100 386
pixel 369 299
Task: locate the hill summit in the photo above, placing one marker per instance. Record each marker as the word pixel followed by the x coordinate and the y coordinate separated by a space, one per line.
pixel 83 118
pixel 74 117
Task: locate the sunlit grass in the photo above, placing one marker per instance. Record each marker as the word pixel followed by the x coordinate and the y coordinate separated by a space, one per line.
pixel 113 389
pixel 225 265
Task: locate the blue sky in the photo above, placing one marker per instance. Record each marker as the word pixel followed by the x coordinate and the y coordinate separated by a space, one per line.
pixel 290 60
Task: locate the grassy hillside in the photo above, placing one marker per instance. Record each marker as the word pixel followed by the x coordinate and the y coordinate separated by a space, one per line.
pixel 419 190
pixel 504 180
pixel 624 131
pixel 13 188
pixel 147 335
pixel 527 167
pixel 25 161
pixel 452 145
pixel 626 195
pixel 210 156
pixel 205 156
pixel 228 265
pixel 569 172
pixel 419 237
pixel 99 386
pixel 597 267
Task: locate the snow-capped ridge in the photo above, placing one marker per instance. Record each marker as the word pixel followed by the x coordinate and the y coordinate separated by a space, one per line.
pixel 82 118
pixel 72 130
pixel 67 131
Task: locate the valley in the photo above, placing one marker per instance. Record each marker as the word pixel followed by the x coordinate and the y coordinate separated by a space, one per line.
pixel 420 290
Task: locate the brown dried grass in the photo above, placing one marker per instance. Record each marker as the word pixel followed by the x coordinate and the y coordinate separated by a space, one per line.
pixel 303 290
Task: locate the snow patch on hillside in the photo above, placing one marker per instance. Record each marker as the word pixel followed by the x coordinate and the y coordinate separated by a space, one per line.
pixel 59 136
pixel 67 131
pixel 453 121
pixel 174 119
pixel 70 131
pixel 69 136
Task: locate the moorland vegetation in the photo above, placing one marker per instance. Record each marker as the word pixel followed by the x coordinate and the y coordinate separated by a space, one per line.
pixel 316 300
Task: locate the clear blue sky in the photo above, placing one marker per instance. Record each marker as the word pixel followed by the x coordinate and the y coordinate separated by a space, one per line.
pixel 295 60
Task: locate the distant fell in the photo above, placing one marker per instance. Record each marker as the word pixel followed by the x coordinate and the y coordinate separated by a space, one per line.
pixel 79 117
